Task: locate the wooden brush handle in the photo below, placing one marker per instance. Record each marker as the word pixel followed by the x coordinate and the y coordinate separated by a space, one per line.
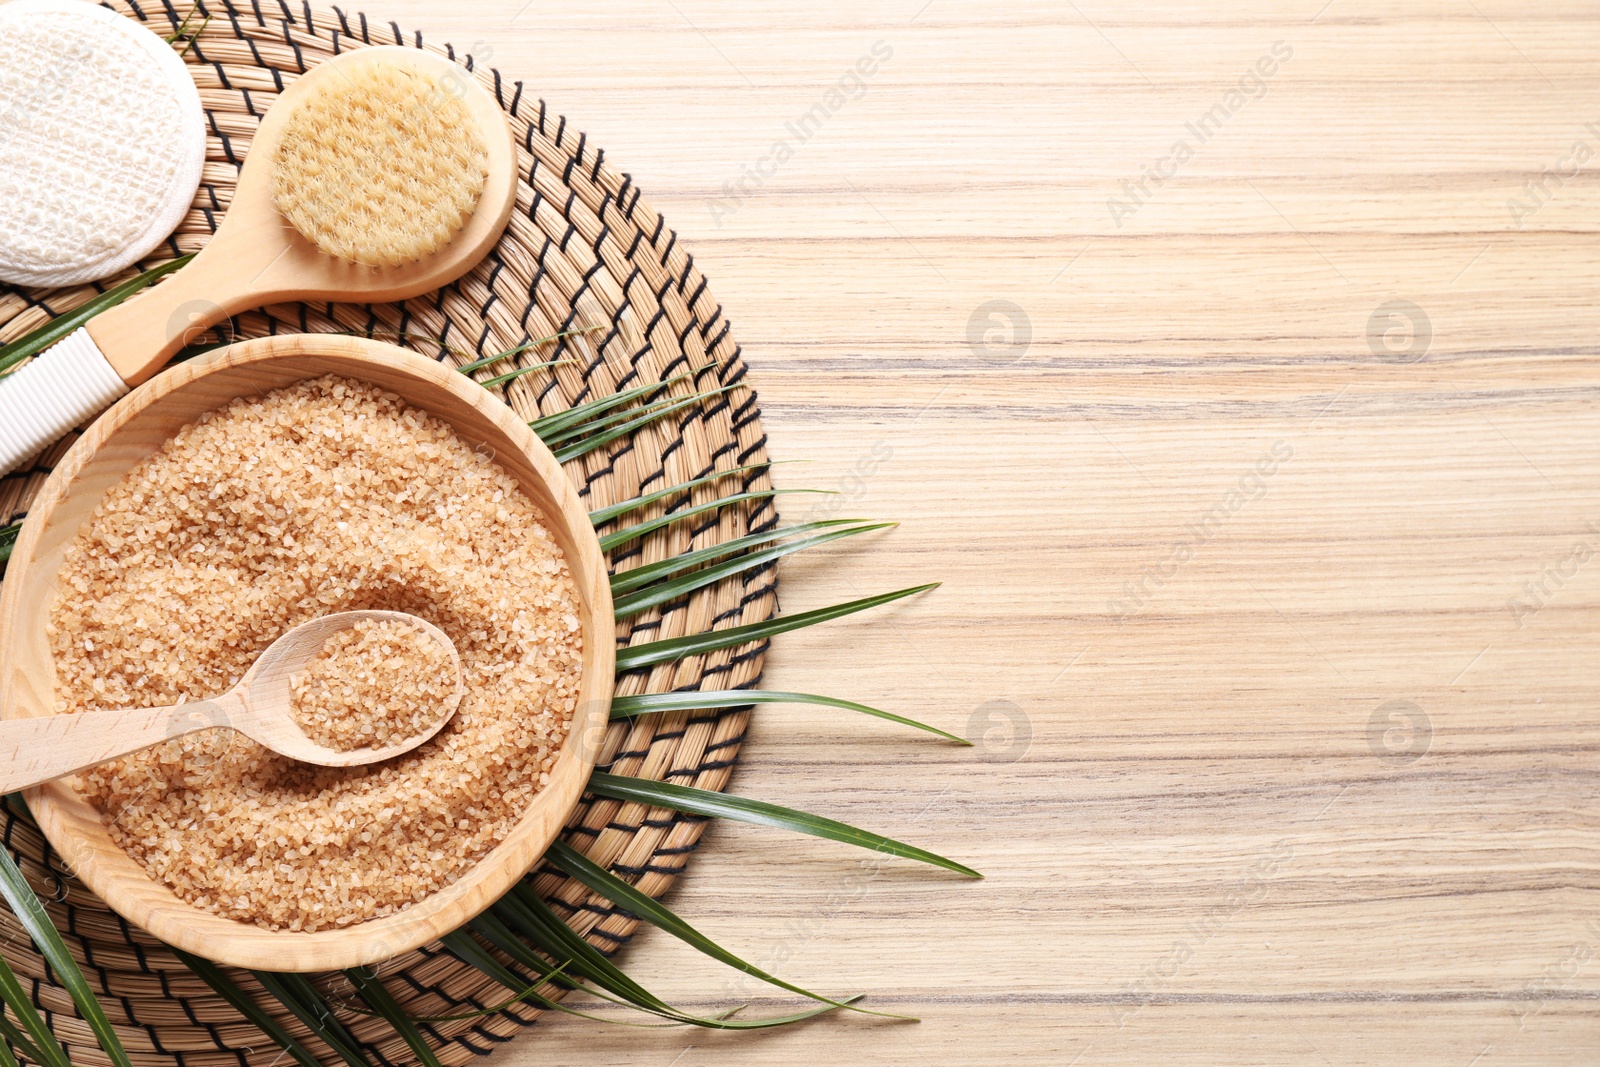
pixel 34 751
pixel 139 336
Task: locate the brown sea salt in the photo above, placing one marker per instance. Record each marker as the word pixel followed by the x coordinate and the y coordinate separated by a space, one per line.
pixel 376 684
pixel 324 496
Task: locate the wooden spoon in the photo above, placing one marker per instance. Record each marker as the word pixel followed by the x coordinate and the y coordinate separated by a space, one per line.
pixel 38 750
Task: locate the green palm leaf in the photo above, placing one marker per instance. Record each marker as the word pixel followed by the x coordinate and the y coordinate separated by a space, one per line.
pixel 594 440
pixel 639 577
pixel 669 590
pixel 558 426
pixel 628 533
pixel 490 361
pixel 43 1046
pixel 524 912
pixel 42 338
pixel 495 927
pixel 8 539
pixel 296 993
pixel 12 1038
pixel 494 930
pixel 525 909
pixel 382 1002
pixel 760 813
pixel 472 954
pixel 673 648
pixel 587 418
pixel 30 912
pixel 501 379
pixel 241 1002
pixel 609 514
pixel 694 699
pixel 572 862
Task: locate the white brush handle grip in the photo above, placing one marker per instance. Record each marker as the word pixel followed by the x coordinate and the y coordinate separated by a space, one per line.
pixel 55 393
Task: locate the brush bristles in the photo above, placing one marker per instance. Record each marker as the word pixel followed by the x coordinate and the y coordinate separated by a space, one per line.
pixel 381 167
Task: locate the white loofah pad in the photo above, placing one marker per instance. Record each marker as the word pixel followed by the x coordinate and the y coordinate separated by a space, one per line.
pixel 101 141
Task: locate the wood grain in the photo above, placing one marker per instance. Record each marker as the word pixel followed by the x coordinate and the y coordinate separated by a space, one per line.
pixel 1206 772
pixel 135 428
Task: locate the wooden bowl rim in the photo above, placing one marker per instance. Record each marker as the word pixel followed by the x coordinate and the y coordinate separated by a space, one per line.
pixel 118 879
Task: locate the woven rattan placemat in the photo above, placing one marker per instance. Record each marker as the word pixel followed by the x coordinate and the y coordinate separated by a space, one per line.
pixel 582 250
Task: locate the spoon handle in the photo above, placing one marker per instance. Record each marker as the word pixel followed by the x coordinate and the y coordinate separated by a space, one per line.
pixel 34 751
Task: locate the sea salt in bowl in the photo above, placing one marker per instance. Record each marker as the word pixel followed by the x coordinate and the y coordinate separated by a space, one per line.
pixel 135 429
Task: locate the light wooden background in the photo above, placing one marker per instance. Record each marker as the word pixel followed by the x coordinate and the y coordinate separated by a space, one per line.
pixel 1199 848
pixel 1202 847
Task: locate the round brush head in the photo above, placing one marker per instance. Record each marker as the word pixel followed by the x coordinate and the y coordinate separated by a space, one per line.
pixel 382 166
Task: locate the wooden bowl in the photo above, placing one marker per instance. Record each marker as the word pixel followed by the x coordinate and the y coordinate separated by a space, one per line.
pixel 138 426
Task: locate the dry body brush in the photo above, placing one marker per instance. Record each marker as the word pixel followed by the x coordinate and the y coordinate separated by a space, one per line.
pixel 322 497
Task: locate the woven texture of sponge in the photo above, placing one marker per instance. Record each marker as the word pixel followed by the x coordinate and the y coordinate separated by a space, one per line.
pixel 383 168
pixel 102 139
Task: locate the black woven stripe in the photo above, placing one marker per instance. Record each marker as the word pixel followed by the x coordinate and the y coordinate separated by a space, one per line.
pixel 732 742
pixel 227 148
pixel 758 445
pixel 711 324
pixel 646 868
pixel 299 56
pixel 699 290
pixel 172 15
pixel 722 333
pixel 633 247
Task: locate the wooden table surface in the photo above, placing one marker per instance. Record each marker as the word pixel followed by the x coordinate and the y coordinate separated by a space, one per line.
pixel 1266 497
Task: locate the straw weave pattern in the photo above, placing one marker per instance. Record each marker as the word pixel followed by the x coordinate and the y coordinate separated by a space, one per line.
pixel 582 250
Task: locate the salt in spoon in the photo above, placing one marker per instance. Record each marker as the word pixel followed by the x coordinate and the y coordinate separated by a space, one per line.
pixel 34 751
